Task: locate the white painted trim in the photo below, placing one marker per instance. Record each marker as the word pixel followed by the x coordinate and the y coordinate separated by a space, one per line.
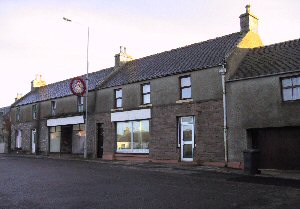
pixel 141 151
pixel 131 115
pixel 65 121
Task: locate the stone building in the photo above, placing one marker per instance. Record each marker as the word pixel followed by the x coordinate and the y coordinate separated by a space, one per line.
pixel 168 107
pixel 50 119
pixel 263 106
pixel 4 129
pixel 188 104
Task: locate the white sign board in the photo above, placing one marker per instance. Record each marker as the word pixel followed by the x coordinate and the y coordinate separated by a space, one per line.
pixel 65 121
pixel 131 115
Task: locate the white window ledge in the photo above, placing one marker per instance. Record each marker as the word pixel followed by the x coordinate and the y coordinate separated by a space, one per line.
pixel 145 105
pixel 117 109
pixel 184 101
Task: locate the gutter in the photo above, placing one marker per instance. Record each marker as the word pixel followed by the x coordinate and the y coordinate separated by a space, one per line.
pixel 223 73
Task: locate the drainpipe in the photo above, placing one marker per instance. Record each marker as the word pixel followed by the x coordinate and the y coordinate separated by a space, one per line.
pixel 223 72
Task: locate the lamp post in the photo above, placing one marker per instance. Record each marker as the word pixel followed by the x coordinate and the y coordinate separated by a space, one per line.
pixel 87 86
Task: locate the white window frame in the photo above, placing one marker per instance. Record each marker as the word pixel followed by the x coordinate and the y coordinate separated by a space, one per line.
pixel 291 87
pixel 18 113
pixel 34 111
pixel 80 103
pixel 53 108
pixel 118 98
pixel 146 93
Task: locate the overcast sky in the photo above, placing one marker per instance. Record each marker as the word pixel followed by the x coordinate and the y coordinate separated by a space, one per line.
pixel 34 39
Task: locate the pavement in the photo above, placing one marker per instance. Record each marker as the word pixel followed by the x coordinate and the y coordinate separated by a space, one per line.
pixel 267 173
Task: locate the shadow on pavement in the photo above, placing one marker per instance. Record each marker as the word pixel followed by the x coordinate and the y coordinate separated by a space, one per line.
pixel 267 181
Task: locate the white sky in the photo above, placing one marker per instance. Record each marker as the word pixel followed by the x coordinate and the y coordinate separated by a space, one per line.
pixel 34 38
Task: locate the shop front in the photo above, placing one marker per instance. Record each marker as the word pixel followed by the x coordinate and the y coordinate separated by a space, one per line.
pixel 67 135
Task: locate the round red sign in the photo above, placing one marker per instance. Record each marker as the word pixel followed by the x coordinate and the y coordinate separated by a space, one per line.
pixel 78 86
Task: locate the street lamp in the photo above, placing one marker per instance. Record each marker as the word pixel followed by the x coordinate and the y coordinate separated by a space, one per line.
pixel 87 85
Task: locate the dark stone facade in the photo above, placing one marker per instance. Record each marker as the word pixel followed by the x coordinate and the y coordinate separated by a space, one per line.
pixel 164 130
pixel 208 131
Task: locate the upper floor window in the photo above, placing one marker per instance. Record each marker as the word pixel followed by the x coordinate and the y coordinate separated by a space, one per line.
pixel 291 88
pixel 185 87
pixel 146 93
pixel 18 112
pixel 34 111
pixel 53 108
pixel 80 104
pixel 118 98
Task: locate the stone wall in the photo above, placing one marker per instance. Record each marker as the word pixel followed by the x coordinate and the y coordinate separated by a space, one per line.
pixel 163 128
pixel 109 141
pixel 25 133
pixel 208 131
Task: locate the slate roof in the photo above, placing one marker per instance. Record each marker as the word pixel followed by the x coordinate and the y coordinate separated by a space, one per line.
pixel 197 56
pixel 269 60
pixel 61 89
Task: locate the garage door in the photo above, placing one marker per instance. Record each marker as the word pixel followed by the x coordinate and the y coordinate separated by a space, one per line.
pixel 279 147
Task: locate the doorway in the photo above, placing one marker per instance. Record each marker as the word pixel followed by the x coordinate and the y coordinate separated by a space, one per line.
pixel 33 141
pixel 187 138
pixel 18 139
pixel 99 140
pixel 66 139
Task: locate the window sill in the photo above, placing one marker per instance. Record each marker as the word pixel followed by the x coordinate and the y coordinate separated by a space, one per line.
pixel 145 105
pixel 184 101
pixel 116 110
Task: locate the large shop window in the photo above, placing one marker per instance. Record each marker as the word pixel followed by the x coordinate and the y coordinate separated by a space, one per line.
pixel 291 88
pixel 133 136
pixel 55 138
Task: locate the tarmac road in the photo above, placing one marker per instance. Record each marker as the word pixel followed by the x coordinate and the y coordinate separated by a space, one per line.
pixel 48 183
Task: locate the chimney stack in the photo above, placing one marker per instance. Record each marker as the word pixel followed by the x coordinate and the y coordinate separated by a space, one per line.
pixel 248 21
pixel 38 82
pixel 122 57
pixel 19 96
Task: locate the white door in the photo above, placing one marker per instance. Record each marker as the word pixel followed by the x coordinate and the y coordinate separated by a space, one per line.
pixel 19 139
pixel 187 138
pixel 33 140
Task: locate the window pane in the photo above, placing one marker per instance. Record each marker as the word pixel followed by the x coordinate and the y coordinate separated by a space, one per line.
pixel 287 94
pixel 146 99
pixel 146 88
pixel 78 138
pixel 76 127
pixel 296 81
pixel 186 93
pixel 187 133
pixel 55 141
pixel 186 81
pixel 141 135
pixel 124 135
pixel 58 128
pixel 188 151
pixel 296 93
pixel 119 103
pixel 187 119
pixel 286 82
pixel 52 129
pixel 119 93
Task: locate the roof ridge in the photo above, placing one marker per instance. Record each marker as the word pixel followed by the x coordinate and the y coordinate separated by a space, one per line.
pixel 278 43
pixel 77 76
pixel 182 47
